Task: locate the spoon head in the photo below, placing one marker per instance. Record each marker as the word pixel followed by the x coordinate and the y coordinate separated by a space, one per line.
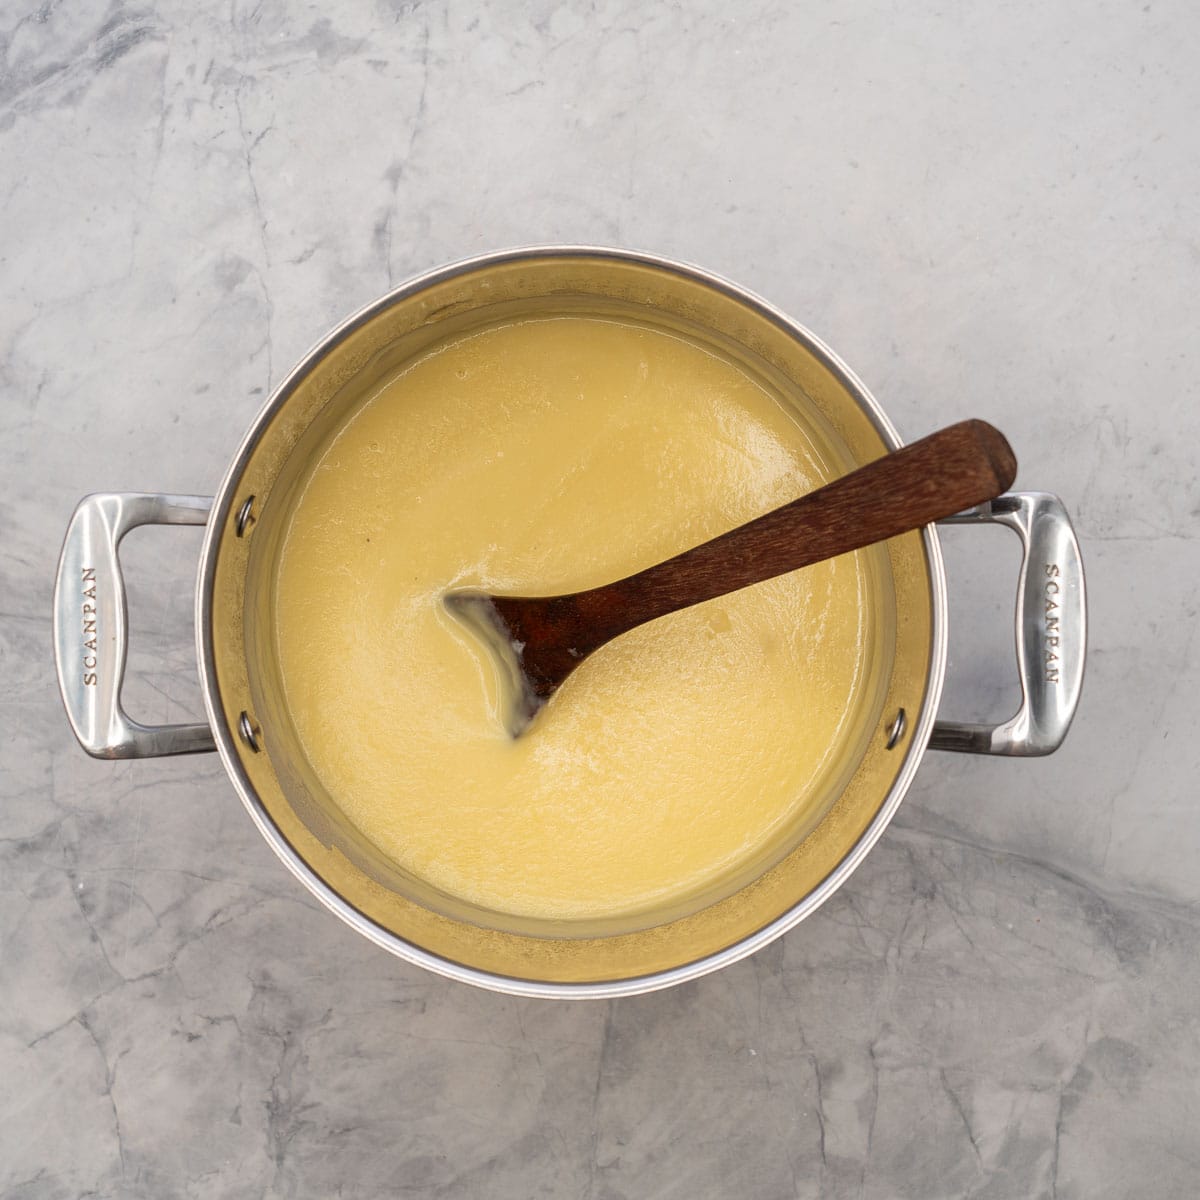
pixel 475 611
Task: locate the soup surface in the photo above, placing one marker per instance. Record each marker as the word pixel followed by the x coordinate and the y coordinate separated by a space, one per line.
pixel 543 456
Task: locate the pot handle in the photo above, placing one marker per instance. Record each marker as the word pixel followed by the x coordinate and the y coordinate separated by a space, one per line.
pixel 91 625
pixel 1051 627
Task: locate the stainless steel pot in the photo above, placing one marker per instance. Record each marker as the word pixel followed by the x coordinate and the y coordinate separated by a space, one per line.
pixel 248 724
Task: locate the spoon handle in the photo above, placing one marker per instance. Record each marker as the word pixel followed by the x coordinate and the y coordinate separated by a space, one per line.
pixel 953 469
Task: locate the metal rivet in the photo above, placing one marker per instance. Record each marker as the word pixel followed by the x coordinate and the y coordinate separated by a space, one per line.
pixel 244 517
pixel 249 731
pixel 896 728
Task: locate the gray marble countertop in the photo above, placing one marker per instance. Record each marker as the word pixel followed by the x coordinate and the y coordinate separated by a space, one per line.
pixel 988 212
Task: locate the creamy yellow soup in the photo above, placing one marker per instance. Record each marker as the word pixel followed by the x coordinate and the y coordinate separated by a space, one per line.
pixel 544 456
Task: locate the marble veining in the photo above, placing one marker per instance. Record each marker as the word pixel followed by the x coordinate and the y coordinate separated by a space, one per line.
pixel 988 212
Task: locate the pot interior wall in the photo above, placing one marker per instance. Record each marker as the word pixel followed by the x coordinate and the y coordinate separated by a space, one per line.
pixel 309 409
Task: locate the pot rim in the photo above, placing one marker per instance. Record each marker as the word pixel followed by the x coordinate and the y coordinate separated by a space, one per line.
pixel 332 900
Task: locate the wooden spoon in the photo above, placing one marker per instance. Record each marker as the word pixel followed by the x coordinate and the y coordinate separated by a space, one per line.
pixel 540 640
